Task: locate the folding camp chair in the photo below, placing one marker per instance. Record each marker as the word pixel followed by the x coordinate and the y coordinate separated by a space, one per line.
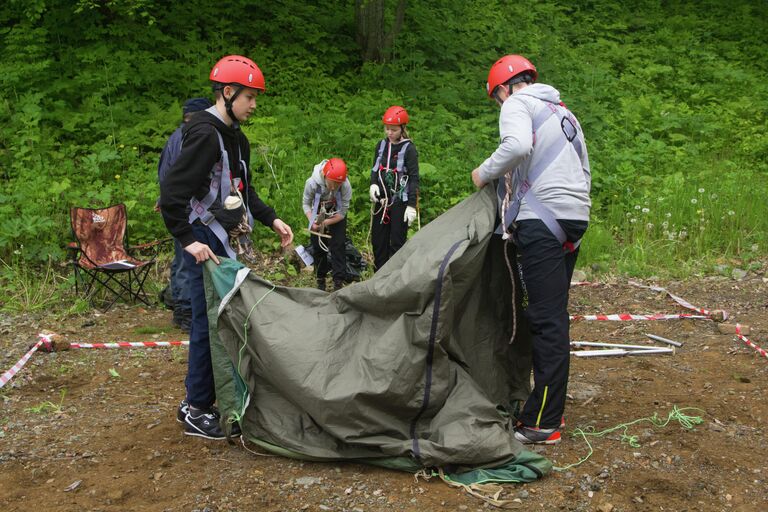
pixel 100 258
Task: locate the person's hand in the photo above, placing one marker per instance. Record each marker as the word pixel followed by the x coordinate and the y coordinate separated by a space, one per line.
pixel 201 252
pixel 410 215
pixel 374 193
pixel 157 205
pixel 284 230
pixel 476 179
pixel 315 227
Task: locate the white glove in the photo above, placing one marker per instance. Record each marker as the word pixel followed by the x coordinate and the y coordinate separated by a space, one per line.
pixel 374 193
pixel 410 215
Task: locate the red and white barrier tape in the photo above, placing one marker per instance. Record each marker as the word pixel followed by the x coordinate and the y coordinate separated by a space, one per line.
pixel 719 313
pixel 627 317
pixel 130 344
pixel 4 378
pixel 743 338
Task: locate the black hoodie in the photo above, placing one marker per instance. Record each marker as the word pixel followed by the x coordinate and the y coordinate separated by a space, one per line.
pixel 190 175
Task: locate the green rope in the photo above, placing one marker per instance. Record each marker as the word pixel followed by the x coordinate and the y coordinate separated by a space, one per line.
pixel 238 415
pixel 675 414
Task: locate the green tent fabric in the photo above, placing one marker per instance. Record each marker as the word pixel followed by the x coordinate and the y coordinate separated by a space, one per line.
pixel 410 369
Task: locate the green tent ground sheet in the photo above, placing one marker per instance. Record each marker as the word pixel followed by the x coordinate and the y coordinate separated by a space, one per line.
pixel 411 369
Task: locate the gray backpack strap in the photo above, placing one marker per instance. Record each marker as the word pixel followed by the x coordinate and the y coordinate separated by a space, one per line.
pixel 220 187
pixel 522 187
pixel 377 165
pixel 401 157
pixel 315 208
pixel 403 172
pixel 244 167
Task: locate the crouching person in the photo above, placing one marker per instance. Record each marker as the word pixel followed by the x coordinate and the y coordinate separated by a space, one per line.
pixel 326 200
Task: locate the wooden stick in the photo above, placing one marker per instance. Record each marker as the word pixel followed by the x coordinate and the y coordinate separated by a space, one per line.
pixel 317 234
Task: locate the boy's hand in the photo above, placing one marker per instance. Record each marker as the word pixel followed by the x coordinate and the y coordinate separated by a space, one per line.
pixel 201 252
pixel 476 179
pixel 284 230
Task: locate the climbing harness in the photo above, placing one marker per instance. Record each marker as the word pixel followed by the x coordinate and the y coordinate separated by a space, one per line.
pixel 513 188
pixel 221 187
pixel 391 180
pixel 322 210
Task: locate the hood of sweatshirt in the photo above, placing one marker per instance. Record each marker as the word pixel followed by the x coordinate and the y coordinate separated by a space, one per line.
pixel 540 91
pixel 206 118
pixel 317 175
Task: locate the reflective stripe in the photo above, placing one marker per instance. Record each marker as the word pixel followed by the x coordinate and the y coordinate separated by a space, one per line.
pixel 543 403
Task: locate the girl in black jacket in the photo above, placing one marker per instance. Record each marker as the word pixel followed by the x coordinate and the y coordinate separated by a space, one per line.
pixel 394 186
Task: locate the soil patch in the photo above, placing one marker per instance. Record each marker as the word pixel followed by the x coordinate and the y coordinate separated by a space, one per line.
pixel 95 429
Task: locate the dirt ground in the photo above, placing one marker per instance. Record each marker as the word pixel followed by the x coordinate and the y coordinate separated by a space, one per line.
pixel 95 429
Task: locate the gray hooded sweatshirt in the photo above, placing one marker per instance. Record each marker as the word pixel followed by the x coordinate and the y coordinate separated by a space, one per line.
pixel 316 183
pixel 563 187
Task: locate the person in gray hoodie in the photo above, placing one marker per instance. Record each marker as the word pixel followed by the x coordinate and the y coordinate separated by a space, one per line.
pixel 544 182
pixel 327 194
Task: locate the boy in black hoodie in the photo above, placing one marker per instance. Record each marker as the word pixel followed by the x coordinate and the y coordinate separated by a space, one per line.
pixel 211 168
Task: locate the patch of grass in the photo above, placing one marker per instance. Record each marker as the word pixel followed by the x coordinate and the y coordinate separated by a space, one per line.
pixel 29 288
pixel 686 226
pixel 179 354
pixel 48 407
pixel 148 329
pixel 64 369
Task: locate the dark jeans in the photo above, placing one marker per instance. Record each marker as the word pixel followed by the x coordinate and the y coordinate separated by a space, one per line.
pixel 388 238
pixel 547 272
pixel 179 278
pixel 201 390
pixel 336 245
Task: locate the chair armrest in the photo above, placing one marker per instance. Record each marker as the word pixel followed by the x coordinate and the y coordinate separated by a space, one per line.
pixel 151 249
pixel 148 245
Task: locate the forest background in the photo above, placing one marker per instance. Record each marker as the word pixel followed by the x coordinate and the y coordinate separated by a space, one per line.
pixel 672 97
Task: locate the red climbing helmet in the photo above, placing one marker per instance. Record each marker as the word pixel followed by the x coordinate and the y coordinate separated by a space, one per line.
pixel 335 170
pixel 236 69
pixel 506 68
pixel 395 115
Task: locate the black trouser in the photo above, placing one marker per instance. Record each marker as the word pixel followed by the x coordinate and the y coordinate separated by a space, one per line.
pixel 547 270
pixel 336 245
pixel 389 236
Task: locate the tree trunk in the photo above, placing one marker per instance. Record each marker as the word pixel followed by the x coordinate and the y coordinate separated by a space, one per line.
pixel 372 36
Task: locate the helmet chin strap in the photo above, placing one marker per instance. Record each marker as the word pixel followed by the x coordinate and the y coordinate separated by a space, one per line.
pixel 228 105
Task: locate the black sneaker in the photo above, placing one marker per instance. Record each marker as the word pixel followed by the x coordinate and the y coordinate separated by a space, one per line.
pixel 182 318
pixel 181 412
pixel 203 424
pixel 165 297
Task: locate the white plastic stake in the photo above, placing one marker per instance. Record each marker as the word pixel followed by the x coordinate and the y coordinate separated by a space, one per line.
pixel 612 345
pixel 664 340
pixel 622 352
